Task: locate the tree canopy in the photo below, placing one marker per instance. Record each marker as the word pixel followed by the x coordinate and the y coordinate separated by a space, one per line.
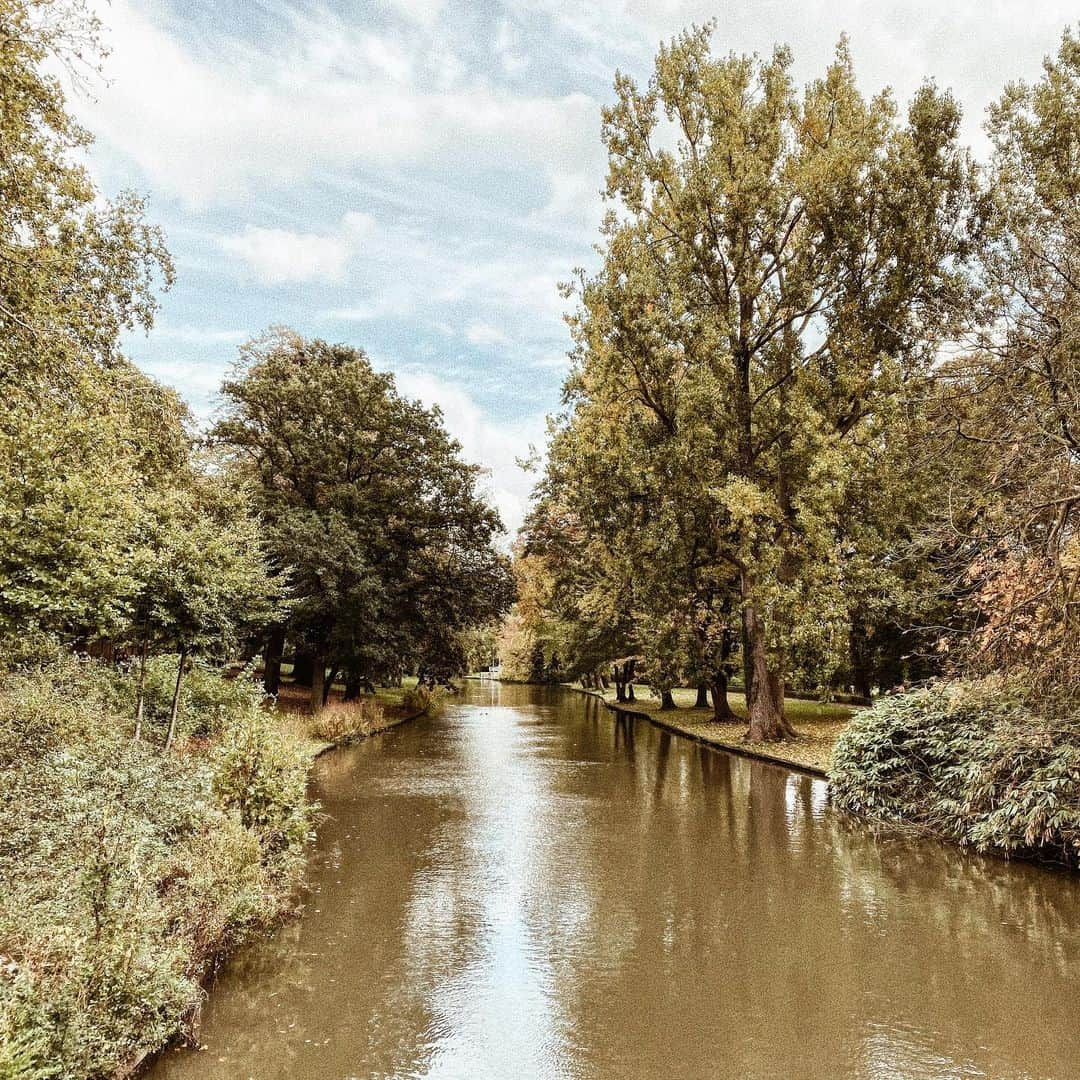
pixel 772 279
pixel 371 515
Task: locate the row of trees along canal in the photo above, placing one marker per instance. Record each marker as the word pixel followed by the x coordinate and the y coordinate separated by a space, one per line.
pixel 323 516
pixel 823 416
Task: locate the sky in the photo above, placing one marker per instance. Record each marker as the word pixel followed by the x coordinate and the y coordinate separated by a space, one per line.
pixel 415 177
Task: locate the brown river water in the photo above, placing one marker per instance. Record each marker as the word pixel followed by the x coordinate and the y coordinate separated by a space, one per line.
pixel 527 887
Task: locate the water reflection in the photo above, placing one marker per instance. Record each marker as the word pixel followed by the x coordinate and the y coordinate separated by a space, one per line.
pixel 529 887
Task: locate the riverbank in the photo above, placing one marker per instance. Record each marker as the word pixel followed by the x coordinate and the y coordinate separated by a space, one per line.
pixel 395 706
pixel 817 725
pixel 128 874
pixel 341 723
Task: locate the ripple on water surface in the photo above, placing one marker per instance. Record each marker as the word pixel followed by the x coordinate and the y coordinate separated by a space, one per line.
pixel 527 887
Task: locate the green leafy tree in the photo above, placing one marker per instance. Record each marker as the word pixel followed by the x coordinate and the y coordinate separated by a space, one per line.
pixel 76 479
pixel 205 582
pixel 1008 413
pixel 83 435
pixel 369 511
pixel 76 269
pixel 769 284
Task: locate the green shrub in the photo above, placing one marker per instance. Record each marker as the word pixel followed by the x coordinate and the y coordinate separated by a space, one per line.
pixel 30 650
pixel 969 762
pixel 419 699
pixel 263 777
pixel 123 871
pixel 207 697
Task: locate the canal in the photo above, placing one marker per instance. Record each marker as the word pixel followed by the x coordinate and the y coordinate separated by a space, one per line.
pixel 526 887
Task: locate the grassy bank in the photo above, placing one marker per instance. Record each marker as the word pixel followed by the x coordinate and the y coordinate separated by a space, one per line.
pixel 818 726
pixel 342 722
pixel 126 873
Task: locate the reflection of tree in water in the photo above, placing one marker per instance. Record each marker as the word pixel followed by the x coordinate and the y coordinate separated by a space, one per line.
pixel 1012 907
pixel 731 896
pixel 623 730
pixel 649 907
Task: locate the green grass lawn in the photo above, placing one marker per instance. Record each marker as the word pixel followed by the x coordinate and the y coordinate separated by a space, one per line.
pixel 818 725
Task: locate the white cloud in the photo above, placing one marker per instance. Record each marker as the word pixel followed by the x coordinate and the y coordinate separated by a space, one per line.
pixel 212 128
pixel 280 256
pixel 363 313
pixel 424 13
pixel 198 335
pixel 197 381
pixel 508 50
pixel 464 288
pixel 358 224
pixel 484 334
pixel 971 46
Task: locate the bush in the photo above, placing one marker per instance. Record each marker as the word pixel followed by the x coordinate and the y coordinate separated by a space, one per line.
pixel 343 722
pixel 968 762
pixel 124 871
pixel 419 699
pixel 30 650
pixel 207 697
pixel 263 777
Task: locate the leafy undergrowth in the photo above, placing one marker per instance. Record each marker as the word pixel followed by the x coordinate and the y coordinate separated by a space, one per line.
pixel 347 721
pixel 969 762
pixel 419 699
pixel 340 722
pixel 124 872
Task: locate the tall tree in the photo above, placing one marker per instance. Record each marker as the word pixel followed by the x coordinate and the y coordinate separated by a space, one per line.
pixel 82 433
pixel 769 283
pixel 370 512
pixel 1009 410
pixel 204 579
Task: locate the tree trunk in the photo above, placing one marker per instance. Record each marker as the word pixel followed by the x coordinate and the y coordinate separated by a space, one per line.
pixel 303 668
pixel 328 686
pixel 860 660
pixel 140 695
pixel 666 701
pixel 720 705
pixel 702 701
pixel 766 700
pixel 353 686
pixel 318 680
pixel 174 711
pixel 747 664
pixel 275 646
